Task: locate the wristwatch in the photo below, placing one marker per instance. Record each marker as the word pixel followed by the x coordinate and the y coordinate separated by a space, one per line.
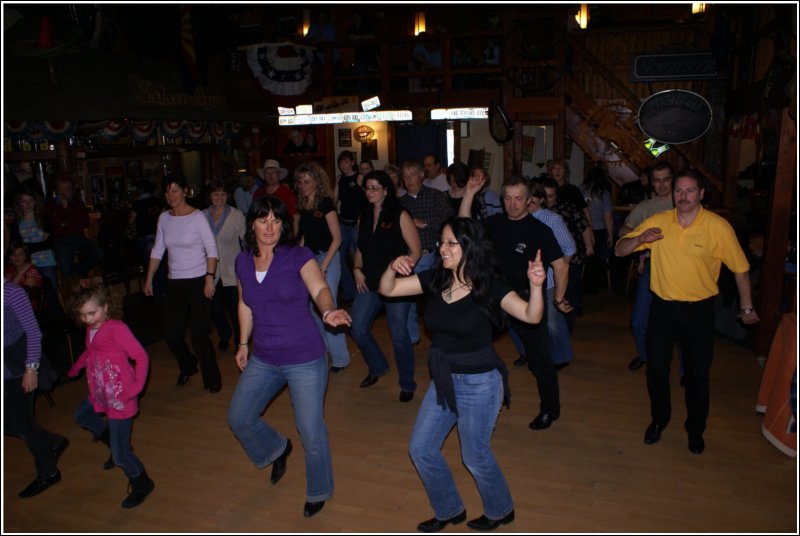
pixel 32 367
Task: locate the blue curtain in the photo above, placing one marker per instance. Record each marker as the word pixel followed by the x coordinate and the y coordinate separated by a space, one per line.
pixel 415 142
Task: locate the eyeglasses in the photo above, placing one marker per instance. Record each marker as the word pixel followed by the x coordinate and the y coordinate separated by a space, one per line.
pixel 449 244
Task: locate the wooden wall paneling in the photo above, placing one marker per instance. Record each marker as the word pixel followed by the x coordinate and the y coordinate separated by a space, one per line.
pixel 783 192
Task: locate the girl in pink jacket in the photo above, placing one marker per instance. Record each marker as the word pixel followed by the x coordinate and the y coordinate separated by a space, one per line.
pixel 114 382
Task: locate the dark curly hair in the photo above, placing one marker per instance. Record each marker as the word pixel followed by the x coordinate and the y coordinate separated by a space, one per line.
pixel 478 264
pixel 261 208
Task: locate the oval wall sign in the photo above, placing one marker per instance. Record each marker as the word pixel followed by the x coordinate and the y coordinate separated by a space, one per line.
pixel 675 116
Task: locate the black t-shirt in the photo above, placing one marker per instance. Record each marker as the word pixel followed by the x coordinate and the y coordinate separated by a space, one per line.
pixel 147 210
pixel 314 226
pixel 459 326
pixel 516 242
pixel 572 194
pixel 352 198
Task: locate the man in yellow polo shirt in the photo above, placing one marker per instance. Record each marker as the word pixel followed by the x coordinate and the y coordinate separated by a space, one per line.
pixel 687 245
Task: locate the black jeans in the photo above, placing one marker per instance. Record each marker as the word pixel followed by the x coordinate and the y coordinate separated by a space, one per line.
pixel 691 325
pixel 226 300
pixel 186 296
pixel 20 422
pixel 535 340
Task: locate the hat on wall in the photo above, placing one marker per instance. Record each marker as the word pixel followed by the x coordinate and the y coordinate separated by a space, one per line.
pixel 273 164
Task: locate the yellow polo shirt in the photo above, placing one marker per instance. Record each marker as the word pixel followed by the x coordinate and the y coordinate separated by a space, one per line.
pixel 685 264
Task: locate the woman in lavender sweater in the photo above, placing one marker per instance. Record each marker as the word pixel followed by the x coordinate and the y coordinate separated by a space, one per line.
pixel 184 232
pixel 275 280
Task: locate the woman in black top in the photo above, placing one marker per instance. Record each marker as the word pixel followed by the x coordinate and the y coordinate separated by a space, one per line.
pixel 465 298
pixel 385 231
pixel 317 227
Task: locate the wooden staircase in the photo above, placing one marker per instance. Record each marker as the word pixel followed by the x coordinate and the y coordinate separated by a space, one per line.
pixel 609 131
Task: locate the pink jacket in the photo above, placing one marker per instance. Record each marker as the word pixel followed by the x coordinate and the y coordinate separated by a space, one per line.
pixel 114 384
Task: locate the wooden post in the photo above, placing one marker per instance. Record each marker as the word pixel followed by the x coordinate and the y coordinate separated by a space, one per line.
pixel 777 234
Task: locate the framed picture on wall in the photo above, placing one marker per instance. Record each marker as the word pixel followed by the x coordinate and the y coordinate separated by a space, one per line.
pixel 369 150
pixel 345 137
pixel 299 140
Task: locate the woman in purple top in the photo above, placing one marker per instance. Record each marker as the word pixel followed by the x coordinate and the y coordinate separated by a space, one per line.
pixel 184 232
pixel 275 280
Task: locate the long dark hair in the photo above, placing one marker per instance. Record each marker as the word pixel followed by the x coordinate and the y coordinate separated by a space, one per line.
pixel 478 264
pixel 596 181
pixel 261 208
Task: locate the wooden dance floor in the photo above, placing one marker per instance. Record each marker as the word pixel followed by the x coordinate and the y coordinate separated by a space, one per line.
pixel 590 472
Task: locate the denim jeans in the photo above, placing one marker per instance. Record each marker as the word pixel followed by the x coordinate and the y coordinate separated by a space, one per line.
pixel 335 339
pixel 641 311
pixel 89 253
pixel 478 398
pixel 119 434
pixel 425 262
pixel 347 250
pixel 366 307
pixel 558 343
pixel 258 384
pixel 19 421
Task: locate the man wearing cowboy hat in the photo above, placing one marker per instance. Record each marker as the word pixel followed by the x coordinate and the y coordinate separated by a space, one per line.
pixel 273 174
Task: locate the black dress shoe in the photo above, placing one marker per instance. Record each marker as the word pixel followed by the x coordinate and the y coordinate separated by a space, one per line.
pixel 635 364
pixel 279 465
pixel 484 523
pixel 369 380
pixel 183 378
pixel 214 388
pixel 40 484
pixel 521 360
pixel 653 433
pixel 696 443
pixel 435 525
pixel 560 366
pixel 542 421
pixel 406 396
pixel 336 370
pixel 311 508
pixel 60 447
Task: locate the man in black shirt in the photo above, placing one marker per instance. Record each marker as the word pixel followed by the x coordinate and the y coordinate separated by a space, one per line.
pixel 517 237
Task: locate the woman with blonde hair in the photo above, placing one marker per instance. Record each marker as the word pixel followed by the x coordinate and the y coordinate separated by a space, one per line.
pixel 316 226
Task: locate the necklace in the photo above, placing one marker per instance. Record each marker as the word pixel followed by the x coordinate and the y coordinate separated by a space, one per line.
pixel 448 294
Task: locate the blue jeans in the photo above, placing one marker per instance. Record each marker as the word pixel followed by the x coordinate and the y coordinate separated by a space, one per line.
pixel 258 385
pixel 119 434
pixel 641 311
pixel 335 340
pixel 425 262
pixel 347 250
pixel 558 343
pixel 366 307
pixel 478 399
pixel 89 253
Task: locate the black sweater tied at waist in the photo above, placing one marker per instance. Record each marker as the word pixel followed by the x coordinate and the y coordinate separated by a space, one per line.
pixel 440 362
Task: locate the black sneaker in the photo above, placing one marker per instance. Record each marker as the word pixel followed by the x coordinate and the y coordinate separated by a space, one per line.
pixel 40 484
